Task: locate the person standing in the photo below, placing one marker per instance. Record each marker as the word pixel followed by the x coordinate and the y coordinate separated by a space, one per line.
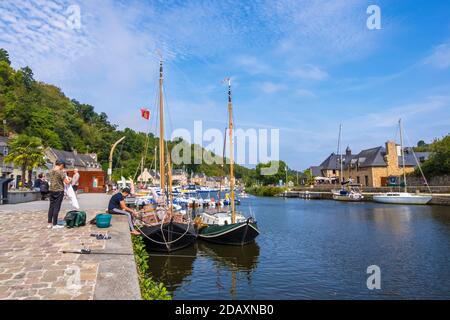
pixel 57 180
pixel 37 183
pixel 75 180
pixel 44 188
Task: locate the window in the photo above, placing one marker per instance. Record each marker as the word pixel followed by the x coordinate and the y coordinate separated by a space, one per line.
pixel 358 180
pixel 366 180
pixel 334 171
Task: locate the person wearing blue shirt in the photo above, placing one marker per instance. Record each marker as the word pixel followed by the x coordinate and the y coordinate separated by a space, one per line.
pixel 117 206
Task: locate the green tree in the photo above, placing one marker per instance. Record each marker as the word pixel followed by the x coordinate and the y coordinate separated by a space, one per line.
pixel 27 153
pixel 4 56
pixel 439 161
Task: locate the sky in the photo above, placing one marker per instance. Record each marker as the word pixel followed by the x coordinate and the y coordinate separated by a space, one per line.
pixel 301 66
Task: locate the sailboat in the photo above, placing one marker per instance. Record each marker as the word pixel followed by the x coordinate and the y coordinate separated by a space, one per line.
pixel 229 227
pixel 402 197
pixel 164 229
pixel 348 192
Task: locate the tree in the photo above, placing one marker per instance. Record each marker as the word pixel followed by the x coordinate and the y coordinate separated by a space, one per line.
pixel 4 56
pixel 27 77
pixel 439 161
pixel 27 153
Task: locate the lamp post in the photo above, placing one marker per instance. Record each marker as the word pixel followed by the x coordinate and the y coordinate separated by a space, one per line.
pixel 111 158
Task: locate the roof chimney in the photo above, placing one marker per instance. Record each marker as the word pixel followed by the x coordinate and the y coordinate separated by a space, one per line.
pixel 348 151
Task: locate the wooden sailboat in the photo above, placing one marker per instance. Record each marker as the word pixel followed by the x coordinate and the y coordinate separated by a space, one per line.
pixel 404 197
pixel 163 229
pixel 347 192
pixel 227 227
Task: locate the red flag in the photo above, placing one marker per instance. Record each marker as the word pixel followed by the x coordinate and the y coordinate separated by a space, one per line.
pixel 145 113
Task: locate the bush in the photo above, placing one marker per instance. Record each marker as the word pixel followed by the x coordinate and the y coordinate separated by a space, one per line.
pixel 265 191
pixel 150 290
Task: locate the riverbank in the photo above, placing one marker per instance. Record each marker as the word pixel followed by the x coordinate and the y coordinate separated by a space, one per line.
pixel 437 199
pixel 33 265
pixel 265 191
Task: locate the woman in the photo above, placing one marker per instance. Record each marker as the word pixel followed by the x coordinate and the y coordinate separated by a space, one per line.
pixel 58 179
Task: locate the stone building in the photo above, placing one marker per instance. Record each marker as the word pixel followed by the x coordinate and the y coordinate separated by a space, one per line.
pixel 92 177
pixel 375 167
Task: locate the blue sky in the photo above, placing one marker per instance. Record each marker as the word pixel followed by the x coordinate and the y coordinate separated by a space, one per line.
pixel 301 66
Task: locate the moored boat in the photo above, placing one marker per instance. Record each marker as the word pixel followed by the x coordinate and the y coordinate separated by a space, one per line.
pixel 227 227
pixel 403 197
pixel 162 228
pixel 219 228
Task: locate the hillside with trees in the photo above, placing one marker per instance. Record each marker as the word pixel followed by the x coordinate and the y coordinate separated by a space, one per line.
pixel 40 111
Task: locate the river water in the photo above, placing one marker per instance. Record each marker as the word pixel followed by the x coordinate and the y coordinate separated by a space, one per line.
pixel 320 249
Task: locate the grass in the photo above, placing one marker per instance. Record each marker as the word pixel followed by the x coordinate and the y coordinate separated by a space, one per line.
pixel 265 191
pixel 150 289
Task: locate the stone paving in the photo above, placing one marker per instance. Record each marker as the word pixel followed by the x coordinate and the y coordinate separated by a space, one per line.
pixel 32 265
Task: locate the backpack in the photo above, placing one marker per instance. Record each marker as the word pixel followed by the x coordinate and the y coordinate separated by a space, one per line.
pixel 44 186
pixel 75 218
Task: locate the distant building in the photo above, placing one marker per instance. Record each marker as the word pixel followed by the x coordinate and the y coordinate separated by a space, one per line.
pixel 92 177
pixel 199 179
pixel 375 167
pixel 8 170
pixel 179 177
pixel 216 182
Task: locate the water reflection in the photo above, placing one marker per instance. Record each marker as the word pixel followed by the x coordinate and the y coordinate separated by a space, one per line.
pixel 175 269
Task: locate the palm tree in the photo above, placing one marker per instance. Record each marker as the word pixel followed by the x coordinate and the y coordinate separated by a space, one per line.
pixel 27 153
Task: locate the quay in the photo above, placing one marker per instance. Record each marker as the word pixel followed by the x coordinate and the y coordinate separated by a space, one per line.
pixel 437 198
pixel 33 265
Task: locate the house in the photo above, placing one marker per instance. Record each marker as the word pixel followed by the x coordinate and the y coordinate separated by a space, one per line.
pixel 179 177
pixel 155 177
pixel 8 170
pixel 92 177
pixel 375 167
pixel 216 182
pixel 198 179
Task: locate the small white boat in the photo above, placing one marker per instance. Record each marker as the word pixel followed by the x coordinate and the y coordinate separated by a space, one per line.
pixel 402 198
pixel 347 195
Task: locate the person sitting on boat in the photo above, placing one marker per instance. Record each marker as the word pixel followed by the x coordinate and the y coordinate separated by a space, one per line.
pixel 117 206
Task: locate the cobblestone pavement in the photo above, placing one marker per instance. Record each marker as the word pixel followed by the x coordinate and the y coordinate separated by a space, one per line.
pixel 32 265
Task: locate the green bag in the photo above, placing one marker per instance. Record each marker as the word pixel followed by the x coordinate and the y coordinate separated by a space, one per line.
pixel 75 219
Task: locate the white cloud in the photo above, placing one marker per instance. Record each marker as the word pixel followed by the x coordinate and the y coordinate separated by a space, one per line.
pixel 305 93
pixel 310 72
pixel 270 87
pixel 440 58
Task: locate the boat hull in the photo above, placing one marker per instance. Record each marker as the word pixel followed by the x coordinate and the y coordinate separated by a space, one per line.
pixel 402 200
pixel 339 197
pixel 171 237
pixel 237 234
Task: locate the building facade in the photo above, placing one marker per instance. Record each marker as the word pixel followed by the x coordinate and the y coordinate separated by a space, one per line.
pixel 375 167
pixel 92 177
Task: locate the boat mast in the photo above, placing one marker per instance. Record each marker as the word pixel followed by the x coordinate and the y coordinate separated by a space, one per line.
pixel 402 152
pixel 162 174
pixel 230 126
pixel 341 178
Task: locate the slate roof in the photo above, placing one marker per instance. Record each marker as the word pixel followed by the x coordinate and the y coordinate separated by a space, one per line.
pixel 316 171
pixel 77 160
pixel 373 157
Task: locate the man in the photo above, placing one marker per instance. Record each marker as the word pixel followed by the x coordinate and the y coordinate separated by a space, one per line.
pixel 58 179
pixel 37 183
pixel 117 206
pixel 75 180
